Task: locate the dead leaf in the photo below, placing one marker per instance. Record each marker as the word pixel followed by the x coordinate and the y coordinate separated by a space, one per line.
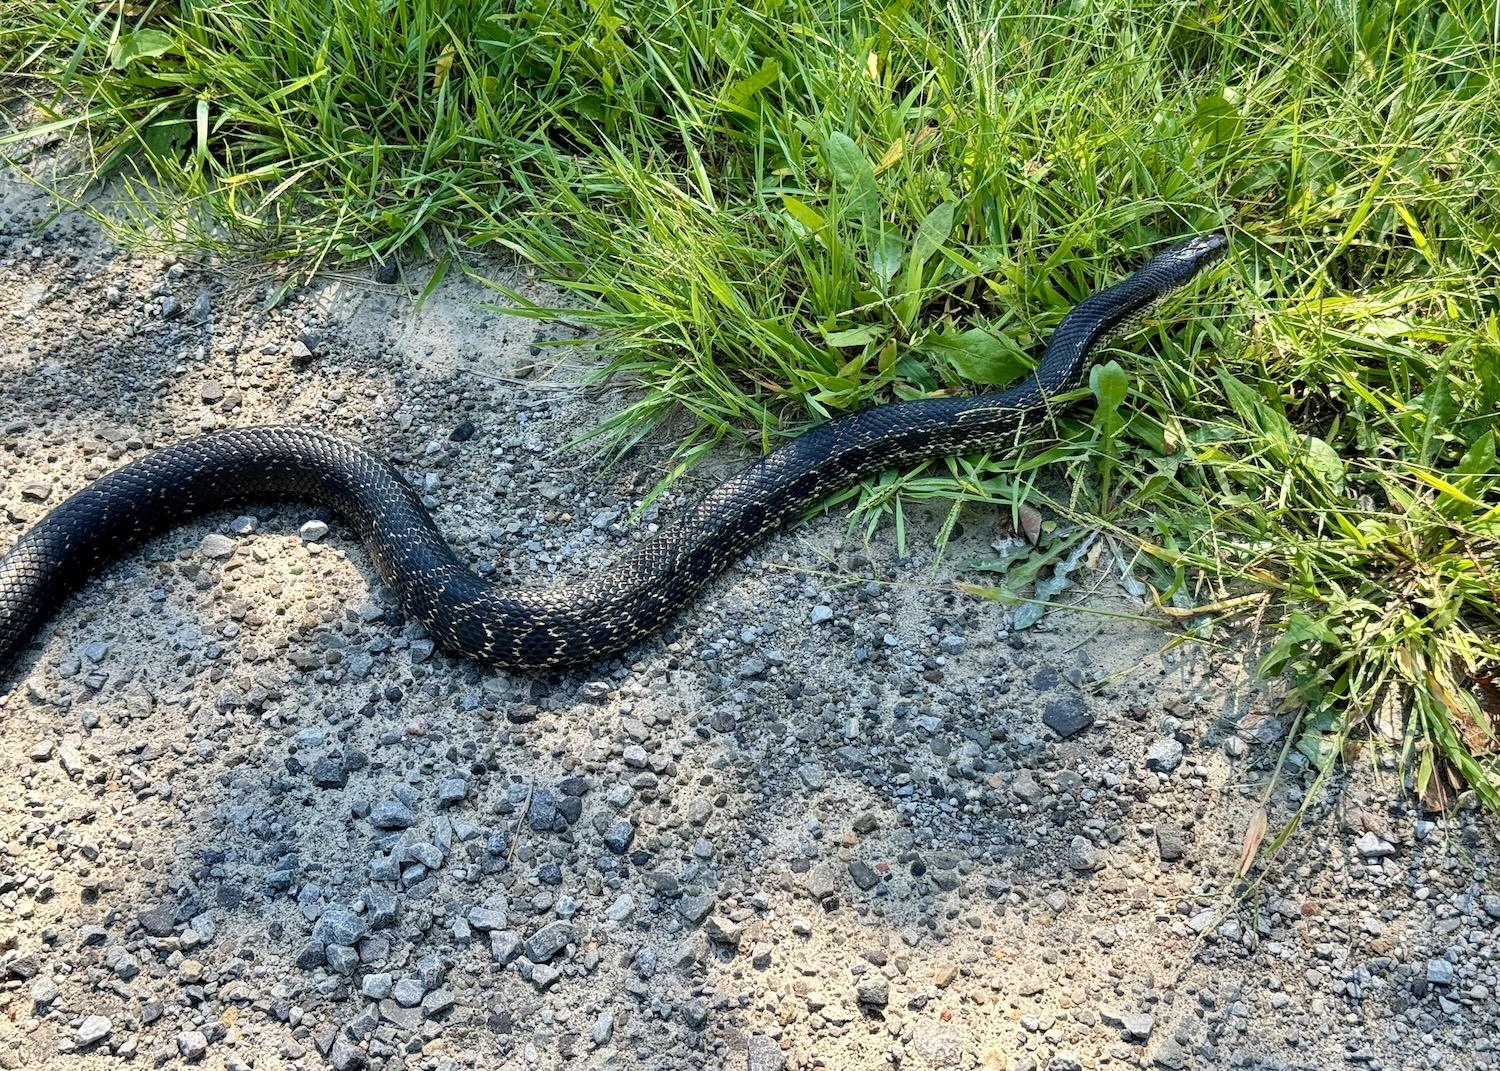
pixel 1255 832
pixel 443 65
pixel 1435 794
pixel 1031 523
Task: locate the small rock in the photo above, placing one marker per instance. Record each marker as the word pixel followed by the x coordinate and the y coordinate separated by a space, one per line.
pixel 93 1028
pixel 376 986
pixel 1170 1055
pixel 437 1002
pixel 1082 855
pixel 338 925
pixel 696 908
pixel 43 992
pixel 408 992
pixel 549 941
pixel 487 917
pixel 821 881
pixel 329 772
pixel 721 930
pixel 505 946
pixel 874 991
pixel 158 921
pixel 391 814
pixel 541 816
pixel 341 959
pixel 618 836
pixel 1165 755
pixel 543 975
pixel 621 909
pixel 763 1054
pixel 1439 972
pixel 603 1028
pixel 1067 716
pixel 313 531
pixel 216 545
pixel 346 1057
pixel 192 1044
pixel 863 875
pixel 1026 789
pixel 1371 846
pixel 452 789
pixel 1169 843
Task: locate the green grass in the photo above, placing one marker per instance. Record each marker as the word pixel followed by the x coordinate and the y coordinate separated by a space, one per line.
pixel 779 211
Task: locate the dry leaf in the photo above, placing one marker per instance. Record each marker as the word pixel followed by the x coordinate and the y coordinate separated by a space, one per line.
pixel 1031 523
pixel 1255 832
pixel 1435 795
pixel 443 65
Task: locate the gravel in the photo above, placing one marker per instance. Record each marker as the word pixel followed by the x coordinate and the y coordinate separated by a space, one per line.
pixel 838 814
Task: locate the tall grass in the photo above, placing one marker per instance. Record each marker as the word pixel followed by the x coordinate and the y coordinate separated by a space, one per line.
pixel 777 211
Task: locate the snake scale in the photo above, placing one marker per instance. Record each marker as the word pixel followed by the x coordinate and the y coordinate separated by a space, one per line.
pixel 568 624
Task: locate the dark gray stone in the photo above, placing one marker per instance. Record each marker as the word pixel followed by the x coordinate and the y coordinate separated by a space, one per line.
pixel 549 941
pixel 1067 716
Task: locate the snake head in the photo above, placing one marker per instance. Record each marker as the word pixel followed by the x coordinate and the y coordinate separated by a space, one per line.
pixel 1175 266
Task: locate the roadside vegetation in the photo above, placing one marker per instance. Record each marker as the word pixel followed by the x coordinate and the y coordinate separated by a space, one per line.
pixel 776 211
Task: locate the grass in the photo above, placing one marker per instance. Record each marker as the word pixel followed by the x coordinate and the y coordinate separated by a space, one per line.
pixel 780 210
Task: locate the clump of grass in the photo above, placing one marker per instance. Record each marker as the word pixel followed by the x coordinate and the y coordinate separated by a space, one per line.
pixel 779 211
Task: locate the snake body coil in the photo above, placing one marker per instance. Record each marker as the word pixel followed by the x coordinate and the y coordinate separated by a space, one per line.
pixel 574 623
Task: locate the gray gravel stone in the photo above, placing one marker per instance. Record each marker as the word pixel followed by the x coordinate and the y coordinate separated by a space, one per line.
pixel 329 772
pixel 43 991
pixel 505 946
pixel 1371 846
pixel 216 545
pixel 863 874
pixel 391 814
pixel 874 991
pixel 1067 716
pixel 93 1028
pixel 376 986
pixel 487 917
pixel 408 991
pixel 549 941
pixel 339 925
pixel 1082 855
pixel 618 836
pixel 192 1044
pixel 821 881
pixel 158 921
pixel 1170 844
pixel 343 1056
pixel 1165 755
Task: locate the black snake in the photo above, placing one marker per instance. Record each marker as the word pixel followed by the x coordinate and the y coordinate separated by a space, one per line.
pixel 578 622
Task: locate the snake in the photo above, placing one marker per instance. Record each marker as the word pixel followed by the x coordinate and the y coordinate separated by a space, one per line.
pixel 582 622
